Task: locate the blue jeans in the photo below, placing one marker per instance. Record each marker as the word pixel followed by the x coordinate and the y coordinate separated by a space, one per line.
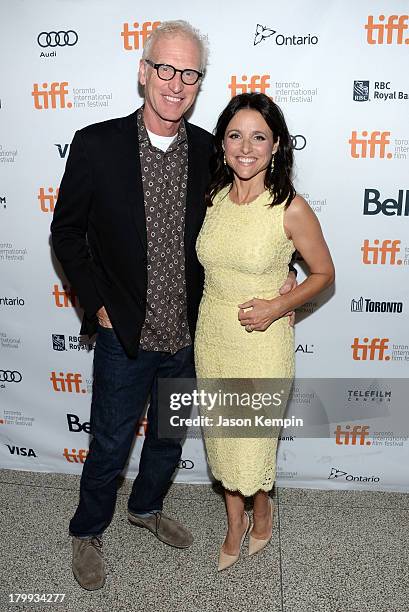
pixel 121 388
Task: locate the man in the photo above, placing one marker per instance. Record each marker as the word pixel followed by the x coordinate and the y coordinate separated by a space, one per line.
pixel 130 206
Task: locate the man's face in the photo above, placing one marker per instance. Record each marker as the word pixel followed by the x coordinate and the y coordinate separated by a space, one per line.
pixel 167 101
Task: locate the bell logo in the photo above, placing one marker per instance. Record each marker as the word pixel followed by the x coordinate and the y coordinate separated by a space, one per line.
pixel 373 350
pixel 67 383
pixel 346 436
pixel 75 456
pixel 373 204
pixel 394 27
pixel 132 38
pixel 47 201
pixel 257 82
pixel 381 255
pixel 375 142
pixel 65 297
pixel 53 96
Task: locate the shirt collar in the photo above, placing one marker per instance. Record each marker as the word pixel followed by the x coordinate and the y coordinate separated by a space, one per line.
pixel 143 135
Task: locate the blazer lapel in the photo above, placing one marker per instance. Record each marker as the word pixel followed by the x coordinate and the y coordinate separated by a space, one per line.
pixel 132 170
pixel 193 206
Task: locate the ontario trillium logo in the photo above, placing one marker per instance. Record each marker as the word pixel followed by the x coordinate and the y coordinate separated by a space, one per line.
pixel 262 32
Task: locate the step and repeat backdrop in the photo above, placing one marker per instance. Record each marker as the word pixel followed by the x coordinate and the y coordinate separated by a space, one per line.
pixel 339 72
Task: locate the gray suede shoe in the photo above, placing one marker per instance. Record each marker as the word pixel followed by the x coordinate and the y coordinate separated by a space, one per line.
pixel 166 529
pixel 88 563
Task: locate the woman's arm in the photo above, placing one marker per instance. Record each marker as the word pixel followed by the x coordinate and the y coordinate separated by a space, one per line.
pixel 302 227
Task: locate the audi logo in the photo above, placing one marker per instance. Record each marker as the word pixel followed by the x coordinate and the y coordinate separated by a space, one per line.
pixel 186 464
pixel 57 39
pixel 298 142
pixel 9 376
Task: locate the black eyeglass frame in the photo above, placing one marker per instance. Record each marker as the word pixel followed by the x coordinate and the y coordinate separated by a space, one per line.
pixel 175 70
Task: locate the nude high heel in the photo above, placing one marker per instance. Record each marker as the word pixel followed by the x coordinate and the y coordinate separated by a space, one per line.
pixel 226 560
pixel 255 545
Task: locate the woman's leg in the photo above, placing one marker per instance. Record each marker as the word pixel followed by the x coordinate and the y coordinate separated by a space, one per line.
pixel 262 521
pixel 236 522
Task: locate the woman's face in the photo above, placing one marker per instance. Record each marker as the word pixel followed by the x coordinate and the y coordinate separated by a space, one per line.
pixel 248 144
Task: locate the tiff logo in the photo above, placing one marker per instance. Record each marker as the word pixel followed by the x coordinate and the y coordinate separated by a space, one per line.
pixel 350 437
pixel 75 456
pixel 47 202
pixel 394 28
pixel 257 82
pixel 376 144
pixel 387 252
pixel 53 97
pixel 373 351
pixel 65 297
pixel 133 38
pixel 67 383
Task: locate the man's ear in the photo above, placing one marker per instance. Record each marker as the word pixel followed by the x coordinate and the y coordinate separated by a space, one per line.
pixel 142 72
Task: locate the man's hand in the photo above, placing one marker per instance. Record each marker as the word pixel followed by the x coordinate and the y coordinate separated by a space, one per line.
pixel 103 318
pixel 261 315
pixel 289 285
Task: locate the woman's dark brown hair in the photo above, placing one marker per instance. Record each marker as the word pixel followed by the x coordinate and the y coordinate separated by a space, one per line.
pixel 277 181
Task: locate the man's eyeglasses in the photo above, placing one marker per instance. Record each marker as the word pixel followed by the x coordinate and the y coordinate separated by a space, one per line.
pixel 167 72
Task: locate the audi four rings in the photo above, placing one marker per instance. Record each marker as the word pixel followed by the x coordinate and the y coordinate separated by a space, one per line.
pixel 298 142
pixel 186 464
pixel 9 376
pixel 57 39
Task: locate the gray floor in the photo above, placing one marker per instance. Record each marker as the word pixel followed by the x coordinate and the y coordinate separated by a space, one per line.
pixel 331 551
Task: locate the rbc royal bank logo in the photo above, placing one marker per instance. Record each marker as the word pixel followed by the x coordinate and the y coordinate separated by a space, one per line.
pixel 58 342
pixel 361 91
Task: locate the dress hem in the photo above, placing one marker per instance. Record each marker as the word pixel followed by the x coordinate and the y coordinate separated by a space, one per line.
pixel 244 492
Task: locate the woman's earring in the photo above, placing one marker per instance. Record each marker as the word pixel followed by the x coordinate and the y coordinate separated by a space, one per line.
pixel 272 162
pixel 224 159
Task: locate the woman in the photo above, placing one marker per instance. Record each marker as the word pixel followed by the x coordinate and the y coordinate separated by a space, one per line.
pixel 254 222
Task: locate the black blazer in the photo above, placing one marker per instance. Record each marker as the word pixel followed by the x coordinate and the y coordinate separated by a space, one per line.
pixel 99 228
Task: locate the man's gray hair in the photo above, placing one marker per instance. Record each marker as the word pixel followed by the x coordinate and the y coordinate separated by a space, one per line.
pixel 183 28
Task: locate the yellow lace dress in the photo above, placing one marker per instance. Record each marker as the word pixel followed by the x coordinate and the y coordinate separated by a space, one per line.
pixel 245 253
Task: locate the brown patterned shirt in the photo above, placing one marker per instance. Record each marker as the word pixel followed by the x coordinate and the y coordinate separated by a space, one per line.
pixel 164 179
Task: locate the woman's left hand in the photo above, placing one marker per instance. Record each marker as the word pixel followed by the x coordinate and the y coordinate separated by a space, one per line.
pixel 261 314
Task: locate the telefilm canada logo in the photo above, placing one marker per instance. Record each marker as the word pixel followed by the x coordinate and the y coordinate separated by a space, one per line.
pixel 373 393
pixel 264 33
pixel 335 473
